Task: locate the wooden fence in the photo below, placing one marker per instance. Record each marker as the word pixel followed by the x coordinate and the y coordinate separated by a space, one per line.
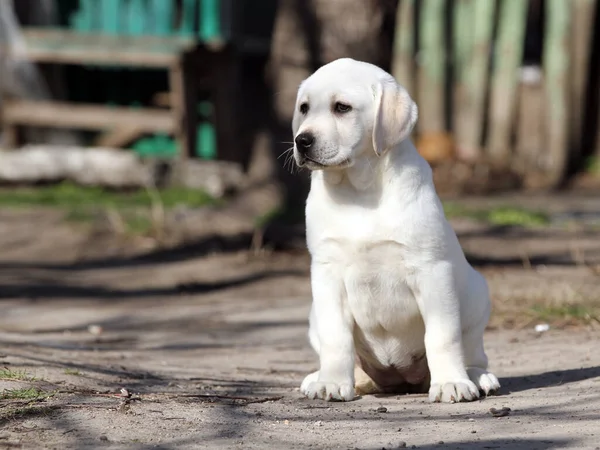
pixel 512 83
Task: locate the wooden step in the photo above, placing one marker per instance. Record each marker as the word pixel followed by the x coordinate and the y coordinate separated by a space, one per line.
pixel 68 47
pixel 85 116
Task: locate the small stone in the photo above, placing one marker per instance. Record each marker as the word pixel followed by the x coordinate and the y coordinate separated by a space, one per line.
pixel 401 444
pixel 103 438
pixel 125 393
pixel 319 423
pixel 473 431
pixel 381 409
pixel 95 330
pixel 503 412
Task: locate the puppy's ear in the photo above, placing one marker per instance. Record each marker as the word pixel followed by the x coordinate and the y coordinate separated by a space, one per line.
pixel 395 115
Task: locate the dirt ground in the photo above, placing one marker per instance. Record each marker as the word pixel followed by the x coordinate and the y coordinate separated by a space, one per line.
pixel 211 346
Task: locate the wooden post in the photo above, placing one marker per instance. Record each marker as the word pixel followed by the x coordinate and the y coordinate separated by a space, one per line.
pixel 462 36
pixel 404 46
pixel 225 92
pixel 530 127
pixel 184 104
pixel 473 27
pixel 556 76
pixel 431 67
pixel 10 136
pixel 508 56
pixel 581 41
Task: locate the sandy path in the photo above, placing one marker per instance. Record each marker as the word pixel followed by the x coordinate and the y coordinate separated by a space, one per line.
pixel 213 349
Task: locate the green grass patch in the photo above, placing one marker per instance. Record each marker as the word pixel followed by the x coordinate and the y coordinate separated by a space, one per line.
pixel 17 375
pixel 502 215
pixel 592 165
pixel 575 312
pixel 70 195
pixel 82 204
pixel 24 394
pixel 73 372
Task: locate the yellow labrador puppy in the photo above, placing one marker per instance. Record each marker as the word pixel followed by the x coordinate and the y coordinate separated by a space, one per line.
pixel 392 290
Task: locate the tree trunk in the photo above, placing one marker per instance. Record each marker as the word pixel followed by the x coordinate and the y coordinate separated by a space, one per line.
pixel 308 34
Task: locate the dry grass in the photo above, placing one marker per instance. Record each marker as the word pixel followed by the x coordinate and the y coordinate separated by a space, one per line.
pixel 16 375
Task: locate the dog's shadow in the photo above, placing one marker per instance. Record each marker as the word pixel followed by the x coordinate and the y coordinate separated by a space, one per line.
pixel 547 379
pixel 522 383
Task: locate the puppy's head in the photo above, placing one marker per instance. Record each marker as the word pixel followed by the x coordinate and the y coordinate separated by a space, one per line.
pixel 347 110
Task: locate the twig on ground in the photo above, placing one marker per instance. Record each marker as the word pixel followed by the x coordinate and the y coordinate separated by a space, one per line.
pixel 248 400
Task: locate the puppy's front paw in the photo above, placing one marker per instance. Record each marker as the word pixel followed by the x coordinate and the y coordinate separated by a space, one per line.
pixel 484 380
pixel 343 392
pixel 324 390
pixel 453 391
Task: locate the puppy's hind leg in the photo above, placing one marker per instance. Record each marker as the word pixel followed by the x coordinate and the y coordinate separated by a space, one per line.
pixel 363 383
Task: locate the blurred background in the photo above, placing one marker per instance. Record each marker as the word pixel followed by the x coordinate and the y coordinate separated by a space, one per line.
pixel 200 92
pixel 152 223
pixel 164 125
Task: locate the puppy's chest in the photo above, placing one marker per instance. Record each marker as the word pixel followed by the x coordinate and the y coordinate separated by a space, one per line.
pixel 376 280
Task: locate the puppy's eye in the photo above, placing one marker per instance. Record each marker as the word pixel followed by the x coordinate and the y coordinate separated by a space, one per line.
pixel 342 108
pixel 304 108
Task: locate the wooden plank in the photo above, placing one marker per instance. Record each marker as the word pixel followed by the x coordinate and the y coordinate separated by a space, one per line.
pixel 431 71
pixel 462 40
pixel 556 75
pixel 68 115
pixel 404 46
pixel 530 125
pixel 581 49
pixel 474 32
pixel 119 137
pixel 59 46
pixel 508 56
pixel 184 106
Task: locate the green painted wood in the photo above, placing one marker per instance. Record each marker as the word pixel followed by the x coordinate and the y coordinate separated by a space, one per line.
pixel 188 8
pixel 149 17
pixel 136 18
pixel 473 79
pixel 404 46
pixel 508 56
pixel 462 39
pixel 463 16
pixel 431 66
pixel 556 75
pixel 86 16
pixel 210 19
pixel 163 13
pixel 109 16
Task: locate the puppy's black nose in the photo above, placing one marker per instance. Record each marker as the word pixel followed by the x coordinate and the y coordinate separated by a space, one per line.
pixel 304 142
